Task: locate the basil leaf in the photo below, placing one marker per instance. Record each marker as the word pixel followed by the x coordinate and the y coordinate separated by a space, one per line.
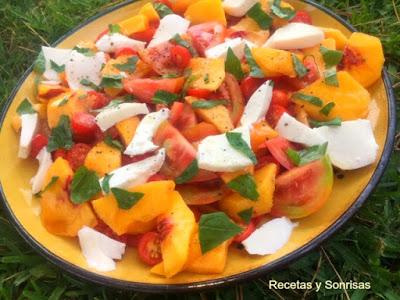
pixel 308 155
pixel 245 186
pixel 255 70
pixel 294 156
pixel 310 99
pixel 162 9
pixel 207 104
pixel 85 185
pixel 178 40
pixel 88 83
pixel 236 141
pixel 327 108
pixel 57 68
pixel 105 184
pixel 40 64
pixel 214 229
pixel 84 51
pixel 334 122
pixel 261 17
pixel 233 65
pixel 53 180
pixel 61 135
pixel 188 82
pixel 112 81
pixel 170 76
pixel 164 97
pixel 126 199
pixel 282 12
pixel 129 66
pixel 300 69
pixel 331 77
pixel 190 172
pixel 63 102
pixel 331 57
pixel 114 28
pixel 25 108
pixel 36 83
pixel 246 215
pixel 113 143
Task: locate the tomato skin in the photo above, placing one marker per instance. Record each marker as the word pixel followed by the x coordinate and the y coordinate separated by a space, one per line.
pixel 84 127
pixel 176 111
pixel 97 100
pixel 280 97
pixel 199 93
pixel 302 17
pixel 247 231
pixel 350 58
pixel 144 36
pixel 274 114
pixel 103 33
pixel 105 229
pixel 149 248
pixel 38 142
pixel 278 147
pixel 207 35
pixel 313 73
pixel 132 240
pixel 160 59
pixel 59 153
pixel 249 85
pixel 77 154
pixel 181 56
pixel 156 177
pixel 126 51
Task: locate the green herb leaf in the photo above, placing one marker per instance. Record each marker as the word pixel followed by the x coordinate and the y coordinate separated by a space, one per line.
pixel 61 135
pixel 334 122
pixel 84 51
pixel 188 82
pixel 282 12
pixel 300 69
pixel 57 68
pixel 236 141
pixel 53 180
pixel 178 40
pixel 114 28
pixel 255 70
pixel 63 102
pixel 331 57
pixel 40 64
pixel 294 156
pixel 25 108
pixel 190 172
pixel 162 9
pixel 112 81
pixel 261 17
pixel 85 185
pixel 331 77
pixel 105 183
pixel 113 143
pixel 327 108
pixel 308 98
pixel 129 66
pixel 303 157
pixel 164 97
pixel 214 229
pixel 126 199
pixel 246 215
pixel 207 104
pixel 88 83
pixel 170 75
pixel 233 65
pixel 245 186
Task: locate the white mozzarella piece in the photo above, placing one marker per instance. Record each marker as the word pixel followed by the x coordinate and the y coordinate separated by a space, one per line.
pixel 59 56
pixel 221 50
pixel 108 117
pixel 81 67
pixel 142 141
pixel 112 42
pixel 258 104
pixel 270 237
pixel 99 250
pixel 29 126
pixel 352 145
pixel 238 8
pixel 295 131
pixel 295 36
pixel 45 161
pixel 217 155
pixel 169 26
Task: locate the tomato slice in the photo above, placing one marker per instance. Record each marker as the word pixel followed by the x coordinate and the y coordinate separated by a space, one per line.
pixel 199 93
pixel 181 56
pixel 247 231
pixel 59 153
pixel 126 51
pixel 77 154
pixel 278 147
pixel 313 72
pixel 249 85
pixel 84 127
pixel 207 35
pixel 236 100
pixel 149 248
pixel 176 111
pixel 187 118
pixel 97 100
pixel 274 113
pixel 161 59
pixel 146 35
pixel 280 97
pixel 302 17
pixel 38 142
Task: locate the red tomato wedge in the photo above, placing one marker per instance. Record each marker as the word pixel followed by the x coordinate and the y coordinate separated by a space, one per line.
pixel 199 93
pixel 180 56
pixel 249 85
pixel 149 248
pixel 38 142
pixel 84 127
pixel 280 97
pixel 186 119
pixel 302 17
pixel 274 113
pixel 146 35
pixel 77 154
pixel 247 231
pixel 97 100
pixel 278 147
pixel 207 35
pixel 161 59
pixel 236 103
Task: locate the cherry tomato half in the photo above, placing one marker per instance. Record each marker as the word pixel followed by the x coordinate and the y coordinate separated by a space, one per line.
pixel 38 142
pixel 77 154
pixel 149 248
pixel 249 85
pixel 275 112
pixel 280 97
pixel 126 51
pixel 302 17
pixel 97 100
pixel 146 35
pixel 84 127
pixel 247 231
pixel 181 56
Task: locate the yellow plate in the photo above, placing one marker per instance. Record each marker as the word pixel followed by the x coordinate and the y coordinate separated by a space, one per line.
pixel 348 193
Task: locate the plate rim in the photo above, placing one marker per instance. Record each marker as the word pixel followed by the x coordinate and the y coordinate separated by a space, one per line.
pixel 237 278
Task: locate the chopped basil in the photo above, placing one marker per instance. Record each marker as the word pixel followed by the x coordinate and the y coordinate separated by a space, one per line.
pixel 25 108
pixel 85 185
pixel 114 28
pixel 331 57
pixel 207 78
pixel 162 9
pixel 334 122
pixel 164 97
pixel 207 104
pixel 63 102
pixel 282 12
pixel 245 186
pixel 113 143
pixel 39 65
pixel 112 81
pixel 261 17
pixel 294 156
pixel 61 135
pixel 233 65
pixel 236 141
pixel 129 66
pixel 246 215
pixel 308 155
pixel 255 70
pixel 84 51
pixel 177 39
pixel 170 75
pixel 90 84
pixel 300 69
pixel 327 108
pixel 214 229
pixel 190 172
pixel 188 82
pixel 310 99
pixel 105 184
pixel 53 180
pixel 36 83
pixel 57 68
pixel 126 199
pixel 331 77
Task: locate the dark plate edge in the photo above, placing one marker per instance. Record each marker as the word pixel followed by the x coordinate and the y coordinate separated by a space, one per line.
pixel 203 285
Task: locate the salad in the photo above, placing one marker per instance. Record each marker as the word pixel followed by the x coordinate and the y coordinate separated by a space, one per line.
pixel 196 126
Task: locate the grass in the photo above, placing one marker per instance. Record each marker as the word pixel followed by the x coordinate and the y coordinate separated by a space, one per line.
pixel 366 249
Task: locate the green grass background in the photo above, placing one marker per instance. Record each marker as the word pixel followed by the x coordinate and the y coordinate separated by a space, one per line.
pixel 366 249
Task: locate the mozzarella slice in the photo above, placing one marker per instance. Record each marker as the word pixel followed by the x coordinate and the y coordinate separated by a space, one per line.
pixel 217 155
pixel 221 50
pixel 270 237
pixel 352 145
pixel 111 116
pixel 136 173
pixel 112 42
pixel 258 104
pixel 295 131
pixel 29 126
pixel 99 250
pixel 59 56
pixel 80 67
pixel 238 8
pixel 295 36
pixel 169 26
pixel 45 161
pixel 142 141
